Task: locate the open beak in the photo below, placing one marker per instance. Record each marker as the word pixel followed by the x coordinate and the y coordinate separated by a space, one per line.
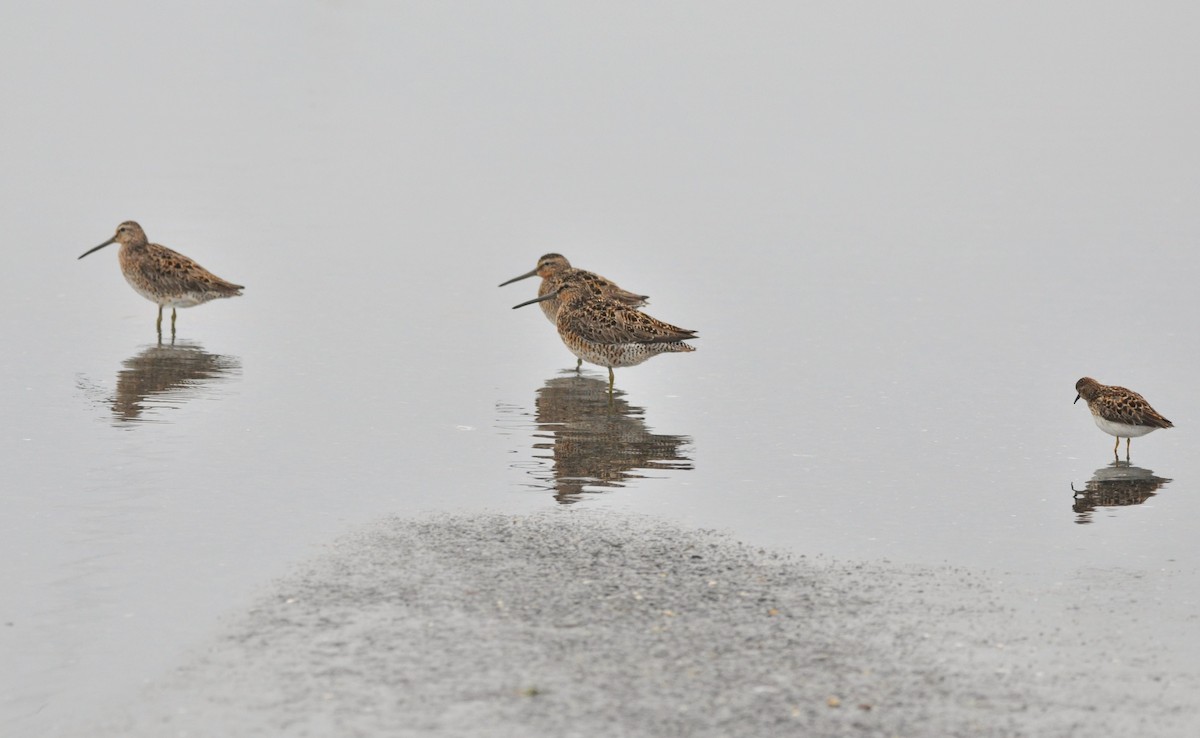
pixel 1076 399
pixel 85 253
pixel 526 275
pixel 548 296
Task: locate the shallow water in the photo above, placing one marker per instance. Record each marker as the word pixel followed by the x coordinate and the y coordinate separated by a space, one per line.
pixel 901 244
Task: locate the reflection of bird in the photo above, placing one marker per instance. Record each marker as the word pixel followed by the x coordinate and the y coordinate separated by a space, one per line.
pixel 605 332
pixel 166 373
pixel 162 276
pixel 1119 412
pixel 1115 485
pixel 598 443
pixel 555 270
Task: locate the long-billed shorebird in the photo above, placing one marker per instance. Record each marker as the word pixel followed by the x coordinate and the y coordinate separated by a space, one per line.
pixel 555 271
pixel 601 330
pixel 1119 412
pixel 162 276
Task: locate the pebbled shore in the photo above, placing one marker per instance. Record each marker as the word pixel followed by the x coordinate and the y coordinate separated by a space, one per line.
pixel 583 623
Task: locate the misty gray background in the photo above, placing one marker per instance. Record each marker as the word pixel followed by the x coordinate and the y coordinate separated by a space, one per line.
pixel 903 232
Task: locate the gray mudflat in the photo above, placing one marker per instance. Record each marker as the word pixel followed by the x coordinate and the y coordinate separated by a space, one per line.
pixel 572 623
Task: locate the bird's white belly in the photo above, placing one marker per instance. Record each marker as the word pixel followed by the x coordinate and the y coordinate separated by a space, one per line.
pixel 1122 430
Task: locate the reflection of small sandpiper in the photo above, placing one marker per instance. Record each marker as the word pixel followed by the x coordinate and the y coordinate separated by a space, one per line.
pixel 1119 412
pixel 162 276
pixel 555 271
pixel 605 332
pixel 1115 485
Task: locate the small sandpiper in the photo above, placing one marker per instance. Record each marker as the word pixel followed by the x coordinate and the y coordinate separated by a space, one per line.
pixel 162 276
pixel 555 271
pixel 603 331
pixel 1119 412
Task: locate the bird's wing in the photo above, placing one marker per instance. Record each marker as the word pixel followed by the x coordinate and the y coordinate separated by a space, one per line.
pixel 1127 406
pixel 176 273
pixel 604 320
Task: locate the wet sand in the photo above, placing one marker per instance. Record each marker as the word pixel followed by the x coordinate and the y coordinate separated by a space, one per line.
pixel 578 623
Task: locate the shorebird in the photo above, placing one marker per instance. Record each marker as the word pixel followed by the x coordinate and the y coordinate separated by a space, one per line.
pixel 555 271
pixel 163 276
pixel 1119 412
pixel 601 330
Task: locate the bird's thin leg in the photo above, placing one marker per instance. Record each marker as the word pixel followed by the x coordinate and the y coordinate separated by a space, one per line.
pixel 158 324
pixel 610 381
pixel 578 364
pixel 172 322
pixel 1127 442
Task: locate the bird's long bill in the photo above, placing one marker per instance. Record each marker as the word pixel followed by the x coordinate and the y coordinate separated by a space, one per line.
pixel 549 296
pixel 1076 399
pixel 85 253
pixel 526 275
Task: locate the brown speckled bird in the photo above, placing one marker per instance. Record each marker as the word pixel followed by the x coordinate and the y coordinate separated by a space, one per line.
pixel 603 331
pixel 1119 411
pixel 163 276
pixel 555 271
